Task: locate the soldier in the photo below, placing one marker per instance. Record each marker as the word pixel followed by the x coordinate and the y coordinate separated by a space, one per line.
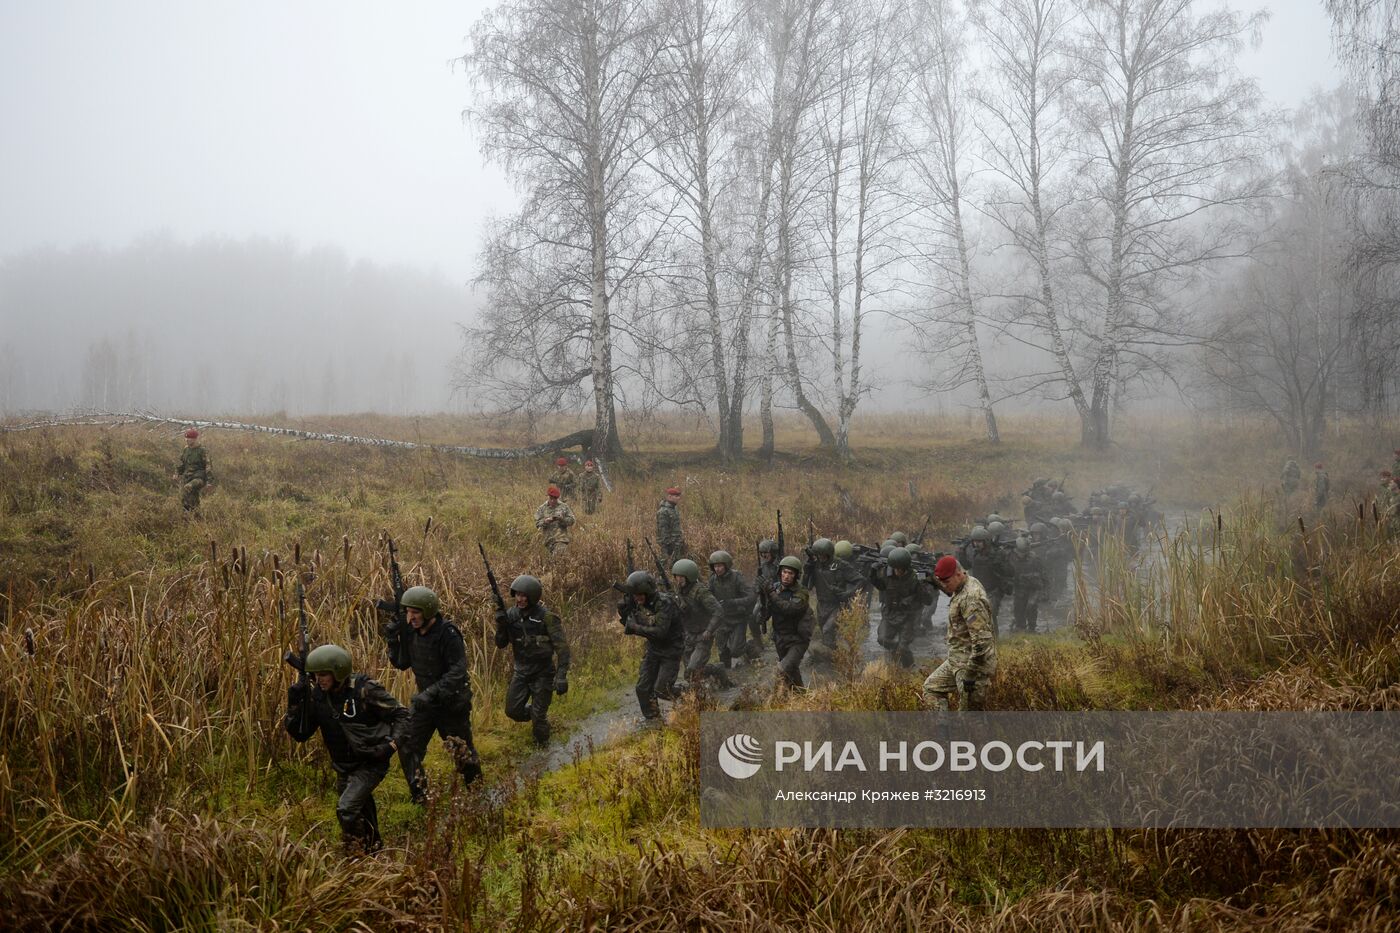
pixel 193 472
pixel 701 618
pixel 1029 574
pixel 764 580
pixel 991 569
pixel 835 582
pixel 668 526
pixel 657 618
pixel 1321 486
pixel 359 722
pixel 789 606
pixel 590 487
pixel 972 650
pixel 553 519
pixel 902 595
pixel 899 538
pixel 431 645
pixel 1292 475
pixel 736 601
pixel 536 638
pixel 563 479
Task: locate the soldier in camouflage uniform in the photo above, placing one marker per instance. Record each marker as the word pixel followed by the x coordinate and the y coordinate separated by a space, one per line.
pixel 656 617
pixel 972 650
pixel 553 519
pixel 1322 485
pixel 193 472
pixel 902 596
pixel 1292 476
pixel 563 479
pixel 361 724
pixel 590 487
pixel 536 638
pixel 788 604
pixel 736 601
pixel 1029 574
pixel 993 572
pixel 431 646
pixel 668 526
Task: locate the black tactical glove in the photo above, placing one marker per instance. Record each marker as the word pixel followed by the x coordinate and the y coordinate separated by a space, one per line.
pixel 421 703
pixel 383 750
pixel 561 684
pixel 502 618
pixel 296 694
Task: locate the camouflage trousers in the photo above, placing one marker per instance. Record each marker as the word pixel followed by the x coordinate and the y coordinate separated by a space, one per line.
pixel 557 548
pixel 957 675
pixel 189 494
pixel 590 503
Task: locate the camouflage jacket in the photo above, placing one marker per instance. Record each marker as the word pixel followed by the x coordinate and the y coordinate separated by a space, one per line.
pixel 736 598
pixel 554 518
pixel 535 635
pixel 565 479
pixel 1321 483
pixel 668 529
pixel 194 464
pixel 971 640
pixel 1292 473
pixel 590 485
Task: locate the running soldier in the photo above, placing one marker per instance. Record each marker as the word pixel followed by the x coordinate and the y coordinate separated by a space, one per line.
pixel 1029 574
pixel 835 583
pixel 990 567
pixel 431 646
pixel 902 596
pixel 536 638
pixel 789 606
pixel 736 601
pixel 764 580
pixel 701 618
pixel 657 618
pixel 358 720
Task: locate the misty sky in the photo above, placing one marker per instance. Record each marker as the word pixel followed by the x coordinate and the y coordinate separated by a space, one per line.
pixel 332 123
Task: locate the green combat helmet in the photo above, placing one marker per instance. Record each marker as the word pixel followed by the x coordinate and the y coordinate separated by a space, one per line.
pixel 767 546
pixel 527 586
pixel 1023 545
pixel 421 598
pixel 901 559
pixel 329 659
pixel 994 517
pixel 639 581
pixel 721 557
pixel 885 549
pixel 823 548
pixel 980 534
pixel 685 567
pixel 790 563
pixel 899 538
pixel 996 528
pixel 844 550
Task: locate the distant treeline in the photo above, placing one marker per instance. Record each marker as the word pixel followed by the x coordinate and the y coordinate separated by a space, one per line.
pixel 224 325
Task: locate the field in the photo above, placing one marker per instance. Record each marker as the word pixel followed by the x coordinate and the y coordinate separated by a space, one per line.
pixel 146 783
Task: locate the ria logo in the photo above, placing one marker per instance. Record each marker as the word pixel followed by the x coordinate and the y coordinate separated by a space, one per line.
pixel 740 756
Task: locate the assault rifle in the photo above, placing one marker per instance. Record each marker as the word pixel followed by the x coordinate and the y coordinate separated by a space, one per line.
pixel 660 567
pixel 924 530
pixel 626 593
pixel 782 543
pixel 491 578
pixel 393 609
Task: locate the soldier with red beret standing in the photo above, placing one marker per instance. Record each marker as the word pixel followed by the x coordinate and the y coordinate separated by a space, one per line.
pixel 668 526
pixel 193 473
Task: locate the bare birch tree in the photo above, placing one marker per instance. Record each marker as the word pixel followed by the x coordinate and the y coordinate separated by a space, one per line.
pixel 561 89
pixel 1170 128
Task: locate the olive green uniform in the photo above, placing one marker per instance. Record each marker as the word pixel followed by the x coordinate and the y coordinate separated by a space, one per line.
pixel 972 650
pixel 536 638
pixel 790 609
pixel 668 532
pixel 194 474
pixel 736 601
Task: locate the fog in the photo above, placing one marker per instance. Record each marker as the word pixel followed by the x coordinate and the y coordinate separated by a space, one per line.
pixel 266 206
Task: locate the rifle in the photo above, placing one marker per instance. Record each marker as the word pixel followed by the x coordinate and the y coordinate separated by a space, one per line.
pixel 782 544
pixel 491 578
pixel 660 567
pixel 924 530
pixel 297 661
pixel 627 603
pixel 394 609
pixel 631 563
